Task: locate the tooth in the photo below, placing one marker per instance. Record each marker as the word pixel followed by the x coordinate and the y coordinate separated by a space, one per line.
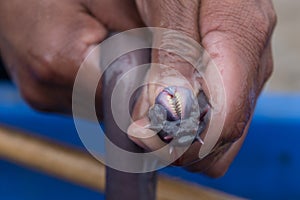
pixel 199 139
pixel 171 149
pixel 178 102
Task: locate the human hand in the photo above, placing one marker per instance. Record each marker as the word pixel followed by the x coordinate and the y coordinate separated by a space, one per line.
pixel 236 34
pixel 44 42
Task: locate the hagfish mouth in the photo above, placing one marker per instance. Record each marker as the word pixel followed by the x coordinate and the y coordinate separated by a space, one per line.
pixel 176 101
pixel 178 116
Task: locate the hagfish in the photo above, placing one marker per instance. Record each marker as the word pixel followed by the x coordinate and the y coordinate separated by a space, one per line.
pixel 178 116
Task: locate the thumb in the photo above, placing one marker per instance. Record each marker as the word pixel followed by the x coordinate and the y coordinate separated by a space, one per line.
pixel 173 56
pixel 143 136
pixel 173 45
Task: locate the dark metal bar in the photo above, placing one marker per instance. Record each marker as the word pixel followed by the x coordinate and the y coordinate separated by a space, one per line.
pixel 123 185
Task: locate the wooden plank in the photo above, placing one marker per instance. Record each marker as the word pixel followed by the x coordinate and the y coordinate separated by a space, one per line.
pixel 169 188
pixel 79 167
pixel 52 158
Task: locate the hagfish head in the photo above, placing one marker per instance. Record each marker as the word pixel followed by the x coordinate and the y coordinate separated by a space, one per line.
pixel 179 116
pixel 177 102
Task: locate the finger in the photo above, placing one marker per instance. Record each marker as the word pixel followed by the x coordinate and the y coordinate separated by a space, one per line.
pixel 180 16
pixel 50 56
pixel 221 164
pixel 218 167
pixel 168 68
pixel 59 62
pixel 37 94
pixel 140 133
pixel 237 47
pixel 117 15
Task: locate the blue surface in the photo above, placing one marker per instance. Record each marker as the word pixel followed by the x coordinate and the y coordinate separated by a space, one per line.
pixel 266 167
pixel 17 182
pixel 20 183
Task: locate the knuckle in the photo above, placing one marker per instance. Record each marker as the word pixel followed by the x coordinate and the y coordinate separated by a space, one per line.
pixel 238 119
pixel 36 100
pixel 269 72
pixel 31 99
pixel 45 75
pixel 58 63
pixel 43 68
pixel 219 166
pixel 254 34
pixel 263 26
pixel 246 22
pixel 238 130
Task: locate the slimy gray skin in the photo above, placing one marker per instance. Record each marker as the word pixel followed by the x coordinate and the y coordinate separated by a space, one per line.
pixel 176 101
pixel 178 116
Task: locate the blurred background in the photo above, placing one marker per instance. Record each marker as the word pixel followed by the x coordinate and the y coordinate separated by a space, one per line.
pixel 266 168
pixel 286 48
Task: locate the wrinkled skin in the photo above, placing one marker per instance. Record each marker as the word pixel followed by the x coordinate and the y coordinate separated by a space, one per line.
pixel 44 42
pixel 237 35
